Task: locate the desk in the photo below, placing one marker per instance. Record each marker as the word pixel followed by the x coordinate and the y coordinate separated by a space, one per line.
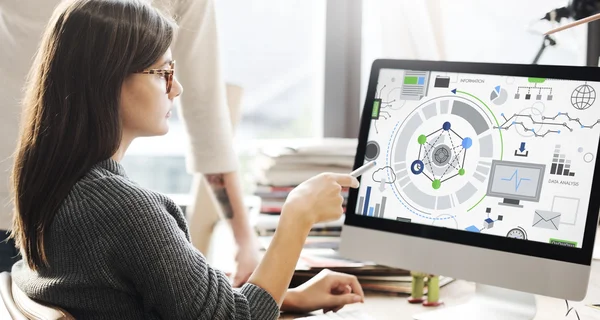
pixel 459 291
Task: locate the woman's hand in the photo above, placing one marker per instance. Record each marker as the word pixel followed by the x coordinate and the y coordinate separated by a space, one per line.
pixel 328 290
pixel 246 259
pixel 318 199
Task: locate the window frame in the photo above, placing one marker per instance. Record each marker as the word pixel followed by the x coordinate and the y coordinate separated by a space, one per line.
pixel 343 53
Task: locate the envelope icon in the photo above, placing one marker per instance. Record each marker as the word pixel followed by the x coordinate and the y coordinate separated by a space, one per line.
pixel 546 219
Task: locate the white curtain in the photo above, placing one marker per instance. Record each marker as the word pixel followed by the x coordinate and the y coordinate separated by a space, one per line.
pixel 400 29
pixel 506 31
pixel 465 30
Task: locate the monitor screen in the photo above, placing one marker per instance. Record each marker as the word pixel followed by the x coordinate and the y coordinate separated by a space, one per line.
pixel 508 156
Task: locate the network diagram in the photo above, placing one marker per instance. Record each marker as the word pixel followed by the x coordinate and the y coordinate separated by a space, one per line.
pixel 507 156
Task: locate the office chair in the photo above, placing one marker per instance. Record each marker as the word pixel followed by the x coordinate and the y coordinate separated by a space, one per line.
pixel 8 309
pixel 17 305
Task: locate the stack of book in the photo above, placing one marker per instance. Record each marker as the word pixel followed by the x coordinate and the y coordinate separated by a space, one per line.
pixel 280 167
pixel 290 162
pixel 373 278
pixel 322 253
pixel 266 224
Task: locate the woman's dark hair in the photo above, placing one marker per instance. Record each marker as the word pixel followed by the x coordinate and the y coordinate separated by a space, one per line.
pixel 70 115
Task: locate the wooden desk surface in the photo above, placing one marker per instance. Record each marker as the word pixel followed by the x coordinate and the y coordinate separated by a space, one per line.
pixel 459 291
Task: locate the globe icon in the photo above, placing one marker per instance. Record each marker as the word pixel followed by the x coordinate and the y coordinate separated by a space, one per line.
pixel 583 97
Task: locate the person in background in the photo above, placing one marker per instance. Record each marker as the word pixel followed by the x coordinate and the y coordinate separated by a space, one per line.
pixel 203 109
pixel 206 118
pixel 97 244
pixel 20 32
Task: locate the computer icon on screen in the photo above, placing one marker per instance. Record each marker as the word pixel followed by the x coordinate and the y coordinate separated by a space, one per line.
pixel 515 181
pixel 475 180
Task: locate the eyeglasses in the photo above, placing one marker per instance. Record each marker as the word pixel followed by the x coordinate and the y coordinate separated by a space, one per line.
pixel 167 73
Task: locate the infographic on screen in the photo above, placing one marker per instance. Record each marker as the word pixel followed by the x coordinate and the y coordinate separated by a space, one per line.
pixel 506 156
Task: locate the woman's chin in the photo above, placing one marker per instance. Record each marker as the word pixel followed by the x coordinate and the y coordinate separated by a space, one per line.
pixel 159 130
pixel 162 130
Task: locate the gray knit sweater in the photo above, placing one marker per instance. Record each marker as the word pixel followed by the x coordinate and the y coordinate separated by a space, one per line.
pixel 119 251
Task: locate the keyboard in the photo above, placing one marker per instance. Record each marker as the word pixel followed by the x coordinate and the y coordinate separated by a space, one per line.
pixel 348 315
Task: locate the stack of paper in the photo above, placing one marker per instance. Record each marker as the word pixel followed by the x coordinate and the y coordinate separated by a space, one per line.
pixel 266 224
pixel 282 165
pixel 293 161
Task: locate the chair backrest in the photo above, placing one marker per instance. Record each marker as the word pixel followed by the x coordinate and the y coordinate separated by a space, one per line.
pixel 21 307
pixel 8 309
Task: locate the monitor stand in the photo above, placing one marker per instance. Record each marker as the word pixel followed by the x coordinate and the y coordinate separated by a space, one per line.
pixel 511 203
pixel 489 303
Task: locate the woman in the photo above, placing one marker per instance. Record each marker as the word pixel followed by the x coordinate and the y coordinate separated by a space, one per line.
pixel 97 244
pixel 203 113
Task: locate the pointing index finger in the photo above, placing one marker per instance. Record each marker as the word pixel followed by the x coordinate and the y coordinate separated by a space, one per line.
pixel 345 180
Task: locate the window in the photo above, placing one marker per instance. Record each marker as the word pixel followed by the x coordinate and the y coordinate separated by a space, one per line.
pixel 465 30
pixel 275 51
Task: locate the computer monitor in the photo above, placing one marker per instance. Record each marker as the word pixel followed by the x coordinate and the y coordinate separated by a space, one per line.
pixel 484 173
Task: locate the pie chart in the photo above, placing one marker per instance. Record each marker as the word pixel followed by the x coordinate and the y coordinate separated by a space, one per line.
pixel 499 95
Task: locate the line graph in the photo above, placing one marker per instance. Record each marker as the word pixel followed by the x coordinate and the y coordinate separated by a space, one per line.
pixel 570 123
pixel 566 114
pixel 515 176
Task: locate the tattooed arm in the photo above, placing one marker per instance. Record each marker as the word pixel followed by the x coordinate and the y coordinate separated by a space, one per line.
pixel 217 182
pixel 228 192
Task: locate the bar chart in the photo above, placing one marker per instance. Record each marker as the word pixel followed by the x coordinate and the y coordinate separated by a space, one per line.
pixel 368 207
pixel 560 165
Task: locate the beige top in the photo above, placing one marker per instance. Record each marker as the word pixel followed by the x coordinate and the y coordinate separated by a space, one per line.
pixel 203 105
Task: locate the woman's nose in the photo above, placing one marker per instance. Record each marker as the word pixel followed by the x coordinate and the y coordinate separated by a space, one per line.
pixel 176 90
